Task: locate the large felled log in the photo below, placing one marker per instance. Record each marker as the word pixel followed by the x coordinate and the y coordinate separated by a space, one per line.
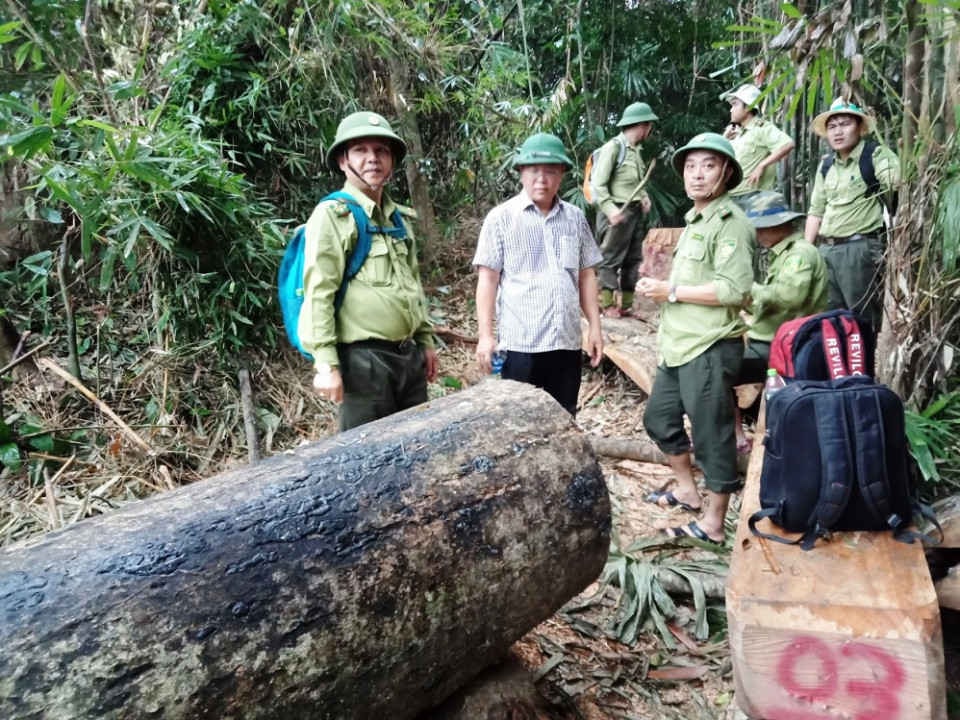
pixel 850 629
pixel 366 576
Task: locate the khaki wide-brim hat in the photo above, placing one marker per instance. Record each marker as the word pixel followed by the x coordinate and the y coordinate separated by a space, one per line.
pixel 767 209
pixel 841 107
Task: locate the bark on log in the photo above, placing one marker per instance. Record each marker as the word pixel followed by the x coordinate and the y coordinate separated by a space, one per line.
pixel 366 576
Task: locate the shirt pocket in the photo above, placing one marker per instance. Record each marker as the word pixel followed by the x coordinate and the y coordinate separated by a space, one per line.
pixel 568 250
pixel 376 270
pixel 689 259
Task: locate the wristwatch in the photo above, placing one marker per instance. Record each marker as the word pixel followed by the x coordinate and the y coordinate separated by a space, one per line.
pixel 672 295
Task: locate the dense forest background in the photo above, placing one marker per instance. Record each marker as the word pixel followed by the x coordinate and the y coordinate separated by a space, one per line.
pixel 157 154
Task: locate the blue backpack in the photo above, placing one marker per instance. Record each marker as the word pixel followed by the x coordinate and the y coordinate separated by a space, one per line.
pixel 290 275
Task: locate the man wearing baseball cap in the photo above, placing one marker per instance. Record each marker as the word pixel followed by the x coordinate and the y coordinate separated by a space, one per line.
pixel 535 264
pixel 758 143
pixel 375 354
pixel 846 215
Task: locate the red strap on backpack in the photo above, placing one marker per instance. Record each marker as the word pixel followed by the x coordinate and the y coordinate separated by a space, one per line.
pixel 855 348
pixel 833 350
pixel 781 349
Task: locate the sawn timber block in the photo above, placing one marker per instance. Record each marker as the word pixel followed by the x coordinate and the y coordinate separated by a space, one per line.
pixel 850 629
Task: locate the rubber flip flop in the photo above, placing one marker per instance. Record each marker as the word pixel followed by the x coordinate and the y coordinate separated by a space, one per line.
pixel 672 501
pixel 690 530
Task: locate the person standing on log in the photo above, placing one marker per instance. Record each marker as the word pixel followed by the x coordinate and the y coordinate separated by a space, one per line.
pixel 701 337
pixel 622 208
pixel 795 285
pixel 535 261
pixel 846 215
pixel 375 354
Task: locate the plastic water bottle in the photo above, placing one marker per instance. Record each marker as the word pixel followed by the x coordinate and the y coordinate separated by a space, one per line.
pixel 773 385
pixel 496 361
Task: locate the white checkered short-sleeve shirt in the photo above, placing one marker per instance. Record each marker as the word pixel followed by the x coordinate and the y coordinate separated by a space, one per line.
pixel 539 259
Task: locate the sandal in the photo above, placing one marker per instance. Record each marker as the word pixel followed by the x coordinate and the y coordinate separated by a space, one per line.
pixel 690 530
pixel 671 501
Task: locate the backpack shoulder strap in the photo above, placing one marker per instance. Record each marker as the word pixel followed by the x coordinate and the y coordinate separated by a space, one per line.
pixel 358 254
pixel 836 464
pixel 826 163
pixel 833 351
pixel 872 475
pixel 622 152
pixel 867 170
pixel 855 344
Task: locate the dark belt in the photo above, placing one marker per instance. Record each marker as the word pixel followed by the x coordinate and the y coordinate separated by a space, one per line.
pixel 398 346
pixel 856 237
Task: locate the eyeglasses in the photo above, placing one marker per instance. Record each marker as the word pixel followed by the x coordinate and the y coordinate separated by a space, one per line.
pixel 840 124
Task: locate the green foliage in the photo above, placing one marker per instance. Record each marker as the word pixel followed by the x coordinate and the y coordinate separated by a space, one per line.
pixel 934 436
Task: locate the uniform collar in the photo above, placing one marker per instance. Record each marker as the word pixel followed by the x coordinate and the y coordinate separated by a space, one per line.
pixel 788 242
pixel 718 206
pixel 853 157
pixel 368 205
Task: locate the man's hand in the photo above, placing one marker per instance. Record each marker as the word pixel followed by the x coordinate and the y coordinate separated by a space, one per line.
pixel 754 177
pixel 645 205
pixel 486 346
pixel 431 364
pixel 617 218
pixel 595 345
pixel 731 131
pixel 656 290
pixel 328 384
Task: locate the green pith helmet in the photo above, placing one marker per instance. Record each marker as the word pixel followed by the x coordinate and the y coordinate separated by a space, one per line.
pixel 714 143
pixel 542 149
pixel 767 209
pixel 360 125
pixel 637 112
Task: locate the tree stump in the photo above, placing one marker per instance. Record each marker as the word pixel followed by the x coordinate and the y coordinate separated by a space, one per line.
pixel 366 576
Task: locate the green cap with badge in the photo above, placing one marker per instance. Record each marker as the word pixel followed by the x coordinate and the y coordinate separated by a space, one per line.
pixel 713 142
pixel 542 149
pixel 364 124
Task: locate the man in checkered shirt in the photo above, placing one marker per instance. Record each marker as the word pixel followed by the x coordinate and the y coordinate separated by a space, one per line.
pixel 535 261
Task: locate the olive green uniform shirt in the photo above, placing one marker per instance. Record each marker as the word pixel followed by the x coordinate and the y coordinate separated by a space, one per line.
pixel 614 185
pixel 757 140
pixel 716 246
pixel 839 199
pixel 796 285
pixel 384 301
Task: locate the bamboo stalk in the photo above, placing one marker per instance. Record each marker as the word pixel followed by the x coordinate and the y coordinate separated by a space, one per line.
pixel 104 408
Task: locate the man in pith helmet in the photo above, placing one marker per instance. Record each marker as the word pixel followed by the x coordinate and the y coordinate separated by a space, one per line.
pixel 846 215
pixel 375 353
pixel 535 264
pixel 700 339
pixel 622 207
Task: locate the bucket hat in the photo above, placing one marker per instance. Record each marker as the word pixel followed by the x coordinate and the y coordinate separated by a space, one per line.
pixel 768 208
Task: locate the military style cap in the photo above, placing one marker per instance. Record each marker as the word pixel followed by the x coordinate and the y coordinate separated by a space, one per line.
pixel 637 112
pixel 841 107
pixel 767 209
pixel 714 143
pixel 747 94
pixel 360 125
pixel 542 149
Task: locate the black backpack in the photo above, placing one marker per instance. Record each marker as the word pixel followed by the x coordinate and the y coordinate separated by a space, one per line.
pixel 835 458
pixel 869 175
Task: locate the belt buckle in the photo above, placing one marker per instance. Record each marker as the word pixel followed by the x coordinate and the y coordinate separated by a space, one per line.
pixel 406 344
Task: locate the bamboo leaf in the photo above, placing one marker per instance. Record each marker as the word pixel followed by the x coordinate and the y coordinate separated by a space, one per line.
pixel 790 10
